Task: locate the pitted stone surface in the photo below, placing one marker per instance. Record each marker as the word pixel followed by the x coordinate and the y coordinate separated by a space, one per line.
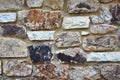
pixel 111 71
pixel 84 73
pixel 71 55
pixel 100 43
pixel 40 53
pixel 51 71
pixel 34 3
pixel 81 6
pixel 13 30
pixel 105 1
pixel 102 28
pixel 37 19
pixel 7 17
pixel 11 4
pixel 67 39
pixel 55 4
pixel 17 68
pixel 75 22
pixel 10 47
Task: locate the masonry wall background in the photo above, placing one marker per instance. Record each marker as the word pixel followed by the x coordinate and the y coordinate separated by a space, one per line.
pixel 59 40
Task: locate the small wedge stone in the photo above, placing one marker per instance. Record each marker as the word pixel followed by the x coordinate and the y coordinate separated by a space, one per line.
pixel 34 3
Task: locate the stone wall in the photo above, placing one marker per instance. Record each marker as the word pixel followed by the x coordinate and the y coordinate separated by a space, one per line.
pixel 59 40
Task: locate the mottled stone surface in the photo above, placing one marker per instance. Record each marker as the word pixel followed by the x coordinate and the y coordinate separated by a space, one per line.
pixel 67 39
pixel 73 55
pixel 10 47
pixel 102 28
pixel 13 30
pixel 105 1
pixel 75 22
pixel 41 35
pixel 99 43
pixel 0 67
pixel 11 4
pixel 34 3
pixel 51 71
pixel 55 4
pixel 115 11
pixel 37 19
pixel 7 17
pixel 111 71
pixel 40 53
pixel 80 6
pixel 17 68
pixel 84 73
pixel 96 19
pixel 103 56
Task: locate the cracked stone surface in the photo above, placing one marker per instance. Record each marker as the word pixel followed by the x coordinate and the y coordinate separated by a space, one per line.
pixel 82 6
pixel 100 43
pixel 17 68
pixel 37 19
pixel 67 39
pixel 71 55
pixel 10 47
pixel 13 30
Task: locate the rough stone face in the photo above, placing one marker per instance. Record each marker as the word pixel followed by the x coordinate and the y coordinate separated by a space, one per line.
pixel 41 35
pixel 96 19
pixel 102 28
pixel 0 67
pixel 105 1
pixel 11 4
pixel 80 6
pixel 34 3
pixel 10 47
pixel 115 11
pixel 99 43
pixel 7 17
pixel 111 71
pixel 83 73
pixel 40 53
pixel 37 19
pixel 103 56
pixel 17 68
pixel 75 55
pixel 13 30
pixel 67 39
pixel 51 71
pixel 55 4
pixel 75 22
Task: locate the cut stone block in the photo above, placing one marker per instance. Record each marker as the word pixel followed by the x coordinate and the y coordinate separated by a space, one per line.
pixel 105 1
pixel 100 43
pixel 96 19
pixel 37 19
pixel 75 22
pixel 73 55
pixel 10 47
pixel 67 39
pixel 41 35
pixel 7 17
pixel 17 68
pixel 84 33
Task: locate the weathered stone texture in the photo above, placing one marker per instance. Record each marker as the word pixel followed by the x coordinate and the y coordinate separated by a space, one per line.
pixel 84 73
pixel 80 6
pixel 102 28
pixel 72 55
pixel 40 53
pixel 11 4
pixel 99 43
pixel 41 35
pixel 7 17
pixel 51 71
pixel 103 56
pixel 17 68
pixel 55 4
pixel 37 19
pixel 76 22
pixel 96 19
pixel 67 39
pixel 111 71
pixel 105 1
pixel 10 47
pixel 34 3
pixel 13 30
